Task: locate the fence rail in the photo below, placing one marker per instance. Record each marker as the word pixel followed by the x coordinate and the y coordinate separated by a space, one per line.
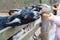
pixel 46 30
pixel 9 31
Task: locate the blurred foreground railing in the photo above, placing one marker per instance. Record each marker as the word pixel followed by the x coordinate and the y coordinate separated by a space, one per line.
pixel 9 31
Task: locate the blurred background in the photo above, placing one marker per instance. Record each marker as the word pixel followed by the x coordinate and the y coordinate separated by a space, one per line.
pixel 6 5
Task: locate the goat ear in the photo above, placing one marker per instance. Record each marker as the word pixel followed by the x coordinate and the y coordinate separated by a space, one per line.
pixel 10 12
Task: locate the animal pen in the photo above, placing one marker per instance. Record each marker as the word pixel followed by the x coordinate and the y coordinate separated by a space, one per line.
pixel 46 28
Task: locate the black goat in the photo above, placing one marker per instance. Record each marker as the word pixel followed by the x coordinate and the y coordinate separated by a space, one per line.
pixel 25 16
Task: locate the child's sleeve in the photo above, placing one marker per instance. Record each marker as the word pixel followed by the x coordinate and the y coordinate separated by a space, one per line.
pixel 58 10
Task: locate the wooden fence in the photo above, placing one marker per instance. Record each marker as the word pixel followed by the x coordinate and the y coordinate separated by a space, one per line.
pixel 47 30
pixel 9 31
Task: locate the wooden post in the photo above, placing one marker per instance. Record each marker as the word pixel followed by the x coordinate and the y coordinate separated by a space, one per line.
pixel 44 29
